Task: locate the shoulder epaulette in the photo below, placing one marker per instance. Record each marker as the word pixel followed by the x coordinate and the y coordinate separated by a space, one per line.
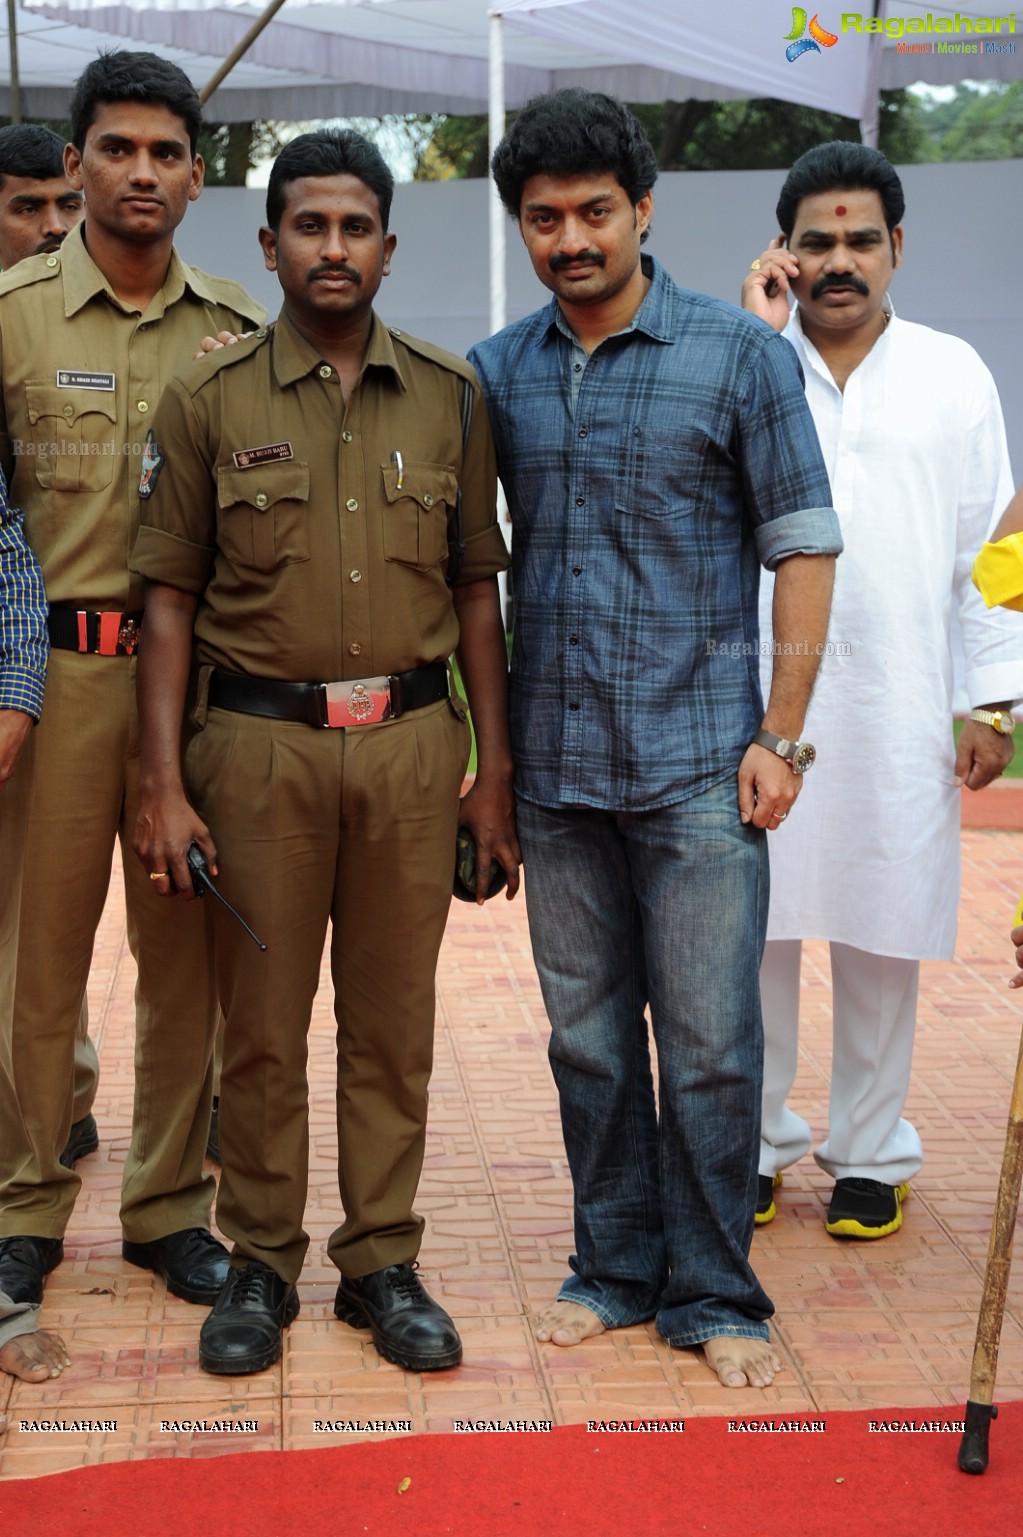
pixel 233 295
pixel 196 372
pixel 34 269
pixel 439 355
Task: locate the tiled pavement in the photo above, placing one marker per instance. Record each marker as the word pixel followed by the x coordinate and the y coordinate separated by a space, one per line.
pixel 858 1324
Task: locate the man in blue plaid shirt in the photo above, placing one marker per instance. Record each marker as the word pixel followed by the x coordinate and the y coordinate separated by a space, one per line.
pixel 656 449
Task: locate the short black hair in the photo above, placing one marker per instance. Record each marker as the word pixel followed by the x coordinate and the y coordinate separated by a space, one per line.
pixel 28 149
pixel 571 133
pixel 836 167
pixel 126 76
pixel 329 152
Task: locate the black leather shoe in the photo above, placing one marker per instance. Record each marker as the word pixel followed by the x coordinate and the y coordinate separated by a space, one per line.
pixel 23 1264
pixel 243 1333
pixel 82 1138
pixel 409 1328
pixel 192 1262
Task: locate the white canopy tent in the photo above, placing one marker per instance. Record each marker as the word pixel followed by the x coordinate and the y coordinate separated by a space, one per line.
pixel 329 58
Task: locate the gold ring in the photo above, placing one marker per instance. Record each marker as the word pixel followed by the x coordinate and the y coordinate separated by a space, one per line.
pixel 754 266
pixel 781 815
pixel 158 875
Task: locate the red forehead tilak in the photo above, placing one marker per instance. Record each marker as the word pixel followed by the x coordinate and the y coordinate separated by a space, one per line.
pixel 839 210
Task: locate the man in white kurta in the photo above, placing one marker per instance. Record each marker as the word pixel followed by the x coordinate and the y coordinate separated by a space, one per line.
pixel 912 434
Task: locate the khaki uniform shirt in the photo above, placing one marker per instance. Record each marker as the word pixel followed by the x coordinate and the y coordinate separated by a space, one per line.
pixel 317 532
pixel 80 376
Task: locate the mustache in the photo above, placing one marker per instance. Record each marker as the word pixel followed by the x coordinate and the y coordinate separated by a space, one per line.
pixel 596 258
pixel 839 280
pixel 47 247
pixel 328 269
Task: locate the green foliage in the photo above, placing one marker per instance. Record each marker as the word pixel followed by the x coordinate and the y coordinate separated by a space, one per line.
pixel 977 123
pixel 230 150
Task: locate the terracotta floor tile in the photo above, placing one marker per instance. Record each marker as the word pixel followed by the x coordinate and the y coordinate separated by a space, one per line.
pixel 882 1325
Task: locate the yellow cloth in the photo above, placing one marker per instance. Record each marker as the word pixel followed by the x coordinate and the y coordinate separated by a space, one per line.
pixel 998 572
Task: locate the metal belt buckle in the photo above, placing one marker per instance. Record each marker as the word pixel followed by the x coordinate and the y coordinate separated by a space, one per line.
pixel 359 703
pixel 117 634
pixel 128 635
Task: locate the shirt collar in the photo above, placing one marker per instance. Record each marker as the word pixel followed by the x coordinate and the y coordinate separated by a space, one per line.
pixel 83 280
pixel 294 357
pixel 653 318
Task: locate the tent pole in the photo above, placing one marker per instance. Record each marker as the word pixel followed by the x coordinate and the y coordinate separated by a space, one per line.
pixel 236 53
pixel 498 244
pixel 498 217
pixel 12 39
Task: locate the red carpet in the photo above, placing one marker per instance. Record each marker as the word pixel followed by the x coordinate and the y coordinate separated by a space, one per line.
pixel 842 1482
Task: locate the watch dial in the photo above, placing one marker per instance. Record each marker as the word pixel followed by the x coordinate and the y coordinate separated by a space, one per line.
pixel 805 756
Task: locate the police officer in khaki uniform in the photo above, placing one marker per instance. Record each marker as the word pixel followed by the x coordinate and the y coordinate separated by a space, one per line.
pixel 38 206
pixel 89 336
pixel 301 501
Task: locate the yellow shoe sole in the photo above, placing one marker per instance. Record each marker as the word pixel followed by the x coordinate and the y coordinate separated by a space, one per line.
pixel 849 1227
pixel 762 1218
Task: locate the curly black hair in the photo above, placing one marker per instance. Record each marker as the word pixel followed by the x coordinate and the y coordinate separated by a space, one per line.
pixel 570 133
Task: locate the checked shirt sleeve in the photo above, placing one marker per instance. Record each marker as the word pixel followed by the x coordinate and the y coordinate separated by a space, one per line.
pixel 24 646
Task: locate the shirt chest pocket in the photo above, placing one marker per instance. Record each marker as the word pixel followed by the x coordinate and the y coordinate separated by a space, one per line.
pixel 73 437
pixel 416 514
pixel 263 514
pixel 658 471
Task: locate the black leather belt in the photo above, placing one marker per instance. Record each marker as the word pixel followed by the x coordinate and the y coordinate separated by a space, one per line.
pixel 358 702
pixel 83 629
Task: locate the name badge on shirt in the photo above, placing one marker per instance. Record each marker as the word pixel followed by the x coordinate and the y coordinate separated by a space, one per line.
pixel 248 458
pixel 76 379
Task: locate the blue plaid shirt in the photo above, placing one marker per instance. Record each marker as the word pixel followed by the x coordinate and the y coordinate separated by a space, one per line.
pixel 646 485
pixel 24 646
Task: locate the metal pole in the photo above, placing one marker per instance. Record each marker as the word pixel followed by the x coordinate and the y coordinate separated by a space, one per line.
pixel 12 39
pixel 236 53
pixel 498 217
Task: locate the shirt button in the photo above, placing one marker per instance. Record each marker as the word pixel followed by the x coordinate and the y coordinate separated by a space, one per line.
pixel 355 576
pixel 352 504
pixel 261 498
pixel 583 432
pixel 355 649
pixel 325 370
pixel 573 707
pixel 580 501
pixel 577 570
pixel 573 640
pixel 51 261
pixel 428 500
pixel 69 410
pixel 143 406
pixel 346 437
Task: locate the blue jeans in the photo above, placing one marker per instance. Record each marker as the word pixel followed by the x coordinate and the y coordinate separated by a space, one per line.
pixel 666 908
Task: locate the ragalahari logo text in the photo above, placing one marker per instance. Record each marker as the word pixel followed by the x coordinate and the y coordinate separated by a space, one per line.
pixel 799 43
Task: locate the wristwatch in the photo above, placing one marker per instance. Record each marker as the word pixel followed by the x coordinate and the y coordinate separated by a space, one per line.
pixel 998 720
pixel 798 755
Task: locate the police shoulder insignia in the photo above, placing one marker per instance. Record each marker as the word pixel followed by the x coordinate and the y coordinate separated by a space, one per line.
pixel 152 464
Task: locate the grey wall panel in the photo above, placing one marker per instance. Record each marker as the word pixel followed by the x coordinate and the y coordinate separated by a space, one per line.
pixel 960 274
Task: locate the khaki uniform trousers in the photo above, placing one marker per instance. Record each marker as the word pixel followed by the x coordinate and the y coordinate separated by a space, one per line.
pixel 83 795
pixel 357 827
pixel 13 828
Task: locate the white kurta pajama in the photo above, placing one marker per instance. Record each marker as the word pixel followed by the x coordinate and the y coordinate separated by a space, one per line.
pixel 869 859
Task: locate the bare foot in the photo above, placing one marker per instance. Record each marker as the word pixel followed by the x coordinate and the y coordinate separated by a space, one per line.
pixel 742 1362
pixel 566 1323
pixel 34 1357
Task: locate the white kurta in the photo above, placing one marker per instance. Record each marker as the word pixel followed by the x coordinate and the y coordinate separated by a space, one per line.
pixel 916 453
